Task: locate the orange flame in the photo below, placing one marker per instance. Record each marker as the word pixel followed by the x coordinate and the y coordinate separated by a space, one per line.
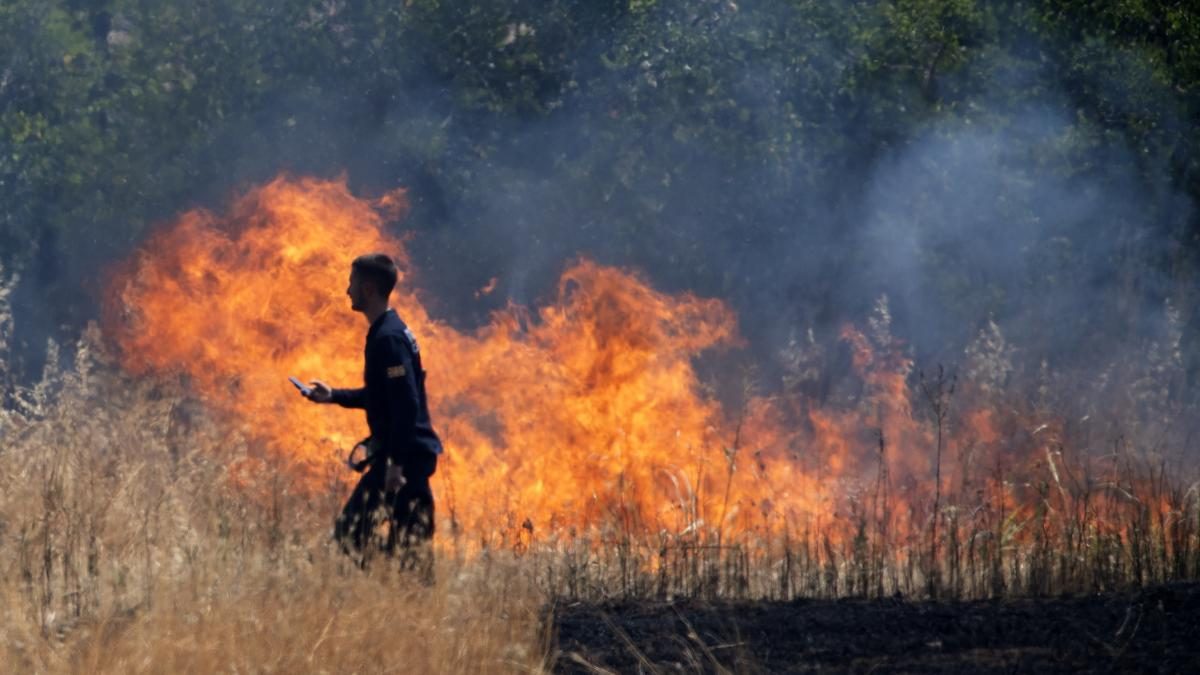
pixel 578 416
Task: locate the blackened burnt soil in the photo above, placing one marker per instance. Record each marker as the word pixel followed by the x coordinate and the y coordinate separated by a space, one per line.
pixel 1149 630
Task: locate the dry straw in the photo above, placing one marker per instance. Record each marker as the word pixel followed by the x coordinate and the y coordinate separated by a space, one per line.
pixel 127 545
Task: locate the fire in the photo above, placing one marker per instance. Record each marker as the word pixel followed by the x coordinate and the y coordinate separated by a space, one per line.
pixel 241 301
pixel 584 416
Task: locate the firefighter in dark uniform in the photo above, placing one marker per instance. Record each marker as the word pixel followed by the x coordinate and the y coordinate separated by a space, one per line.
pixel 402 451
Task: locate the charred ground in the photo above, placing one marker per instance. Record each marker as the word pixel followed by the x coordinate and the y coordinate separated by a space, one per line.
pixel 1146 630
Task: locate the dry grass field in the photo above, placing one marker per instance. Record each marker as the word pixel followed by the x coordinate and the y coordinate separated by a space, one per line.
pixel 129 547
pixel 140 534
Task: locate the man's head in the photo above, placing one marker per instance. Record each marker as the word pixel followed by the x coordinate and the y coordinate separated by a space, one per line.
pixel 372 278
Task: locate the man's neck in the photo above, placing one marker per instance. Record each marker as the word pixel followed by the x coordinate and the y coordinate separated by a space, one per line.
pixel 374 311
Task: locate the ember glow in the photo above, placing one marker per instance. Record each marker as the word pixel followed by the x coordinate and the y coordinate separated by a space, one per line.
pixel 574 417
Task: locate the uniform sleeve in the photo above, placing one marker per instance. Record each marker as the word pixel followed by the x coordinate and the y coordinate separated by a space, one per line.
pixel 350 398
pixel 400 394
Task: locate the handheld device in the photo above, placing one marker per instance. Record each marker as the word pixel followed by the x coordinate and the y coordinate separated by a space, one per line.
pixel 300 385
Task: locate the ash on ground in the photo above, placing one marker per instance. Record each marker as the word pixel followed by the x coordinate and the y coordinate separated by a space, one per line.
pixel 1155 629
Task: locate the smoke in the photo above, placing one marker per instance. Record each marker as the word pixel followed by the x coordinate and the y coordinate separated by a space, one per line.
pixel 798 184
pixel 967 224
pixel 1014 212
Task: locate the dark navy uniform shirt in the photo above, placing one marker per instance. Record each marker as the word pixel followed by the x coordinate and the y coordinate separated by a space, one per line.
pixel 393 394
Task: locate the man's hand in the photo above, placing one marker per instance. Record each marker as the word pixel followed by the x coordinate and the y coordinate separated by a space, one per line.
pixel 321 392
pixel 395 478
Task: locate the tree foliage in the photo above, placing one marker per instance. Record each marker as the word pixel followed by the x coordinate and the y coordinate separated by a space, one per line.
pixel 727 146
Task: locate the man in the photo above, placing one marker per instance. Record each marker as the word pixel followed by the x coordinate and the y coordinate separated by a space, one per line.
pixel 402 450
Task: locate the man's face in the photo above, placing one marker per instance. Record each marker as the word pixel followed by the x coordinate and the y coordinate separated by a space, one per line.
pixel 358 292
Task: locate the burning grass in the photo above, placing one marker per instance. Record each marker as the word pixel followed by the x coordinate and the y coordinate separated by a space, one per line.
pixel 165 502
pixel 129 546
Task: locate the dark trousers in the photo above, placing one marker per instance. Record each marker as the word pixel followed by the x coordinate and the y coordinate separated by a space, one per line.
pixel 407 511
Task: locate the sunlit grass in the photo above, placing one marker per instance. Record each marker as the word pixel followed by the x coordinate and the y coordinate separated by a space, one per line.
pixel 128 545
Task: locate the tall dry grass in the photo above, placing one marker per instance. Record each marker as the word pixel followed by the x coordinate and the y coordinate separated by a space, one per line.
pixel 127 544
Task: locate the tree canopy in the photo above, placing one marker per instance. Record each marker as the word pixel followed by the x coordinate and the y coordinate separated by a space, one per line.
pixel 1035 162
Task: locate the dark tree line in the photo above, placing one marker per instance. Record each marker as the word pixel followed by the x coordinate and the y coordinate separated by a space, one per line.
pixel 1032 161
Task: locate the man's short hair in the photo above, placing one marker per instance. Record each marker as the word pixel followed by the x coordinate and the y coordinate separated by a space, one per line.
pixel 378 269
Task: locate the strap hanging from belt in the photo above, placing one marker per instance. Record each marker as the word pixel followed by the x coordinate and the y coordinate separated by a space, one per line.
pixel 366 461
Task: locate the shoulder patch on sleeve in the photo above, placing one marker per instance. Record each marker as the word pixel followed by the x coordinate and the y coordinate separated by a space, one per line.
pixel 395 371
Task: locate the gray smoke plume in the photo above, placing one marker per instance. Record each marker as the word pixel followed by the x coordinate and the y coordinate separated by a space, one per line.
pixel 833 175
